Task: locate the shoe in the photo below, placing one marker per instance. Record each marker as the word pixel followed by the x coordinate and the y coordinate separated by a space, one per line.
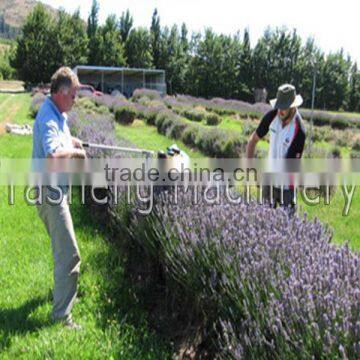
pixel 69 323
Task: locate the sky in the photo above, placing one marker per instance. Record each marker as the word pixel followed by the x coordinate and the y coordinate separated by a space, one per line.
pixel 333 24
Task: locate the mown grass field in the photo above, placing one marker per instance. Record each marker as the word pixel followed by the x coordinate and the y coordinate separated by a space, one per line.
pixel 114 324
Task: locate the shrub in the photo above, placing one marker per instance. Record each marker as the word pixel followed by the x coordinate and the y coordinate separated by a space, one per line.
pixel 125 114
pixel 190 134
pixel 249 127
pixel 150 94
pixel 117 93
pixel 218 143
pixel 256 284
pixel 194 114
pixel 324 133
pixel 213 119
pixel 94 128
pixel 335 152
pixel 341 141
pixel 356 146
pixel 36 103
pixel 336 121
pixel 315 153
pixel 150 113
pixel 176 129
pixel 220 111
pixel 160 118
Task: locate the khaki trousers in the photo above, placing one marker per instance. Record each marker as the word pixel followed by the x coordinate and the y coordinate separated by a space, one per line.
pixel 59 225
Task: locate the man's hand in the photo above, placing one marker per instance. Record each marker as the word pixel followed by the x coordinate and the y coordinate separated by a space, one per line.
pixel 77 143
pixel 79 154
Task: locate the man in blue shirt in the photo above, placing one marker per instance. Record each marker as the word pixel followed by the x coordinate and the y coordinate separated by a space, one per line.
pixel 52 139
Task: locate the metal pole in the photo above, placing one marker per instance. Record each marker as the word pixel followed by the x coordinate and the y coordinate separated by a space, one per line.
pixel 312 107
pixel 122 82
pixel 117 148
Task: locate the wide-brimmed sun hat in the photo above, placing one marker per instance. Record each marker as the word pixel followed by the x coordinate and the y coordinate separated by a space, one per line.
pixel 286 98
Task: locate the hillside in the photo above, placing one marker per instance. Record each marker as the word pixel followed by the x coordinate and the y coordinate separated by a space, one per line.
pixel 13 14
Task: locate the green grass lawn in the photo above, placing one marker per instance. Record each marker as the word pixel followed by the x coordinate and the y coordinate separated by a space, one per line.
pixel 114 323
pixel 147 137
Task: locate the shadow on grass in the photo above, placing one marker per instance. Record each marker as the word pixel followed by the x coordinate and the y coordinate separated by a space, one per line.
pixel 122 301
pixel 17 321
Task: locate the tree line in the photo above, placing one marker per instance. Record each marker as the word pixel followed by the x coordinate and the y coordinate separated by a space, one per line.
pixel 200 64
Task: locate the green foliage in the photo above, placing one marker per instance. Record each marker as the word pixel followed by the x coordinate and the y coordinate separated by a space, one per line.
pixel 125 114
pixel 125 24
pixel 213 119
pixel 194 114
pixel 71 40
pixel 335 152
pixel 155 33
pixel 92 33
pixel 7 72
pixel 35 48
pixel 206 65
pixel 356 146
pixel 45 45
pixel 90 106
pixel 211 142
pixel 138 52
pixel 111 51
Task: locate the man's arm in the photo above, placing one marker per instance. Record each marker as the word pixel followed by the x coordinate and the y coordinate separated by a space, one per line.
pixel 68 154
pixel 260 132
pixel 52 146
pixel 251 145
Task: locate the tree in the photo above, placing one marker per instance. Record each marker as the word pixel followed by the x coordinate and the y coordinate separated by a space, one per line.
pixel 354 95
pixel 71 40
pixel 245 76
pixel 184 38
pixel 334 81
pixel 174 60
pixel 111 51
pixel 261 61
pixel 125 24
pixel 93 19
pixel 138 49
pixel 208 64
pixel 6 71
pixel 93 34
pixel 155 33
pixel 34 59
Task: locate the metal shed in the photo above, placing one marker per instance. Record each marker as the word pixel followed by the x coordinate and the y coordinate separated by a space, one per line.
pixel 126 80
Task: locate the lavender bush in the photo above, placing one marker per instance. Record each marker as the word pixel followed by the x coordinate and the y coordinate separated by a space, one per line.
pixel 125 114
pixel 213 119
pixel 260 284
pixel 150 94
pixel 337 121
pixel 37 101
pixel 94 128
pixel 211 142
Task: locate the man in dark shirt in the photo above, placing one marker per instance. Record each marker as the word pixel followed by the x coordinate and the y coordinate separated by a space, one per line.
pixel 287 136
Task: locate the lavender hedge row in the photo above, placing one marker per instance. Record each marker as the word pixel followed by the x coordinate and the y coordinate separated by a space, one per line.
pixel 244 109
pixel 256 283
pixel 211 142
